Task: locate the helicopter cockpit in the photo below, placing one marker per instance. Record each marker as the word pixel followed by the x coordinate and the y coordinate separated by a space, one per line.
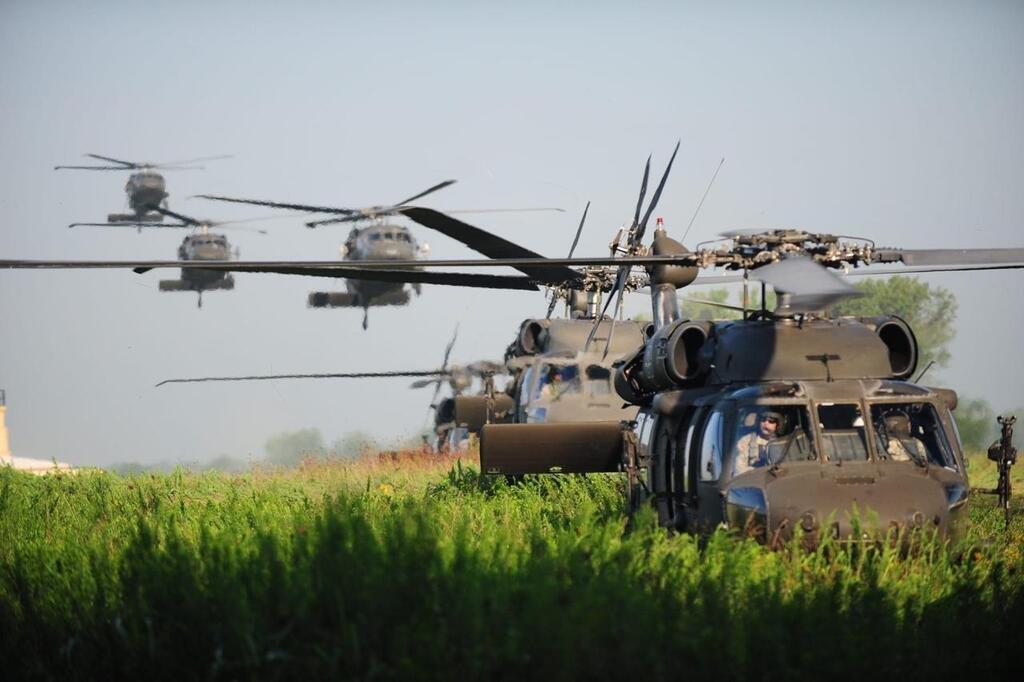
pixel 564 382
pixel 749 430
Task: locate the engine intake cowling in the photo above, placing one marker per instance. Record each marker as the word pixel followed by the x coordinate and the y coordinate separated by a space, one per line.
pixel 671 357
pixel 900 341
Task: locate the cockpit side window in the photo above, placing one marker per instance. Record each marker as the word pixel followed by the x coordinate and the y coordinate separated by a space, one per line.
pixel 910 432
pixel 767 435
pixel 711 448
pixel 842 431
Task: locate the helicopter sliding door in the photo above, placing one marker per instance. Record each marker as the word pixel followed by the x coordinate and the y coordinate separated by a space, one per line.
pixel 706 443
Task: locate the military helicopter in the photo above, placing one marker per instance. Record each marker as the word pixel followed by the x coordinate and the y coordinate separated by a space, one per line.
pixel 697 384
pixel 379 240
pixel 145 187
pixel 200 245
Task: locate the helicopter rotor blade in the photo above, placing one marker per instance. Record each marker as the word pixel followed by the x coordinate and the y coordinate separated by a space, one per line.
pixel 572 249
pixel 303 208
pixel 933 257
pixel 169 164
pixel 448 348
pixel 444 365
pixel 124 164
pixel 643 192
pixel 271 377
pixel 809 286
pixel 657 195
pixel 132 225
pixel 414 197
pixel 169 212
pixel 490 245
pixel 117 168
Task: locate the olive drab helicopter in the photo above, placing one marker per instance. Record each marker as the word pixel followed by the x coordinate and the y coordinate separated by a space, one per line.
pixel 839 391
pixel 380 239
pixel 145 187
pixel 200 245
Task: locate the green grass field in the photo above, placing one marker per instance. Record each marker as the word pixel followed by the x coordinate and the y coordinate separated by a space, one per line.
pixel 419 569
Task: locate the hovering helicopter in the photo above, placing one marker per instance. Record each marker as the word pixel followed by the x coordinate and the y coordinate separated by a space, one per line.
pixel 200 245
pixel 145 187
pixel 379 240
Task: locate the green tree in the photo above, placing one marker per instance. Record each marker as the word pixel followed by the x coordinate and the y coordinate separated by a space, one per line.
pixel 353 444
pixel 976 423
pixel 930 312
pixel 691 307
pixel 290 447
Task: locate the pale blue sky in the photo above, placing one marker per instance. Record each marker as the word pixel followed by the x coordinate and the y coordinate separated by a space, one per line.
pixel 899 121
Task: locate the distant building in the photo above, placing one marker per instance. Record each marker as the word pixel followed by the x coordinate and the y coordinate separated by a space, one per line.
pixel 35 466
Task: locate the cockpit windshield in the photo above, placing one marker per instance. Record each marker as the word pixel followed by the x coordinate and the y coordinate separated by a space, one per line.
pixel 910 432
pixel 559 380
pixel 767 435
pixel 599 380
pixel 842 431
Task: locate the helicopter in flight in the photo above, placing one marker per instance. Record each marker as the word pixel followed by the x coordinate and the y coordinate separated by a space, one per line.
pixel 199 245
pixel 823 411
pixel 145 187
pixel 372 237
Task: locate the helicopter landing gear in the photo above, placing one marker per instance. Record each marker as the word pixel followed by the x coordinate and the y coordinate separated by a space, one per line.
pixel 366 318
pixel 417 288
pixel 199 301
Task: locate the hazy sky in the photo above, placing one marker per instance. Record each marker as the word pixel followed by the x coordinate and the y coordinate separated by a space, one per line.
pixel 899 121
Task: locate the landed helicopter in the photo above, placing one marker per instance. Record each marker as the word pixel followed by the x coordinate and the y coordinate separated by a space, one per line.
pixel 381 239
pixel 145 187
pixel 838 390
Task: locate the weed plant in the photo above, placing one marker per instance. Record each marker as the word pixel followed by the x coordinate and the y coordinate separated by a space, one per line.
pixel 418 567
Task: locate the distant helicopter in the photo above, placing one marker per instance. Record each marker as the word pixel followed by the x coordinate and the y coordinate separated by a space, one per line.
pixel 379 240
pixel 200 245
pixel 145 187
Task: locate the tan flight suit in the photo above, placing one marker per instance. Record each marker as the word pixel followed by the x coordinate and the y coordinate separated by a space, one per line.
pixel 899 451
pixel 749 451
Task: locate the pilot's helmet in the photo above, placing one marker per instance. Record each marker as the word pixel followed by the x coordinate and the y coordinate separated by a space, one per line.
pixel 897 424
pixel 772 415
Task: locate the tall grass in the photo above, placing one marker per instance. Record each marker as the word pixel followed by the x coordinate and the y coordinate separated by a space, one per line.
pixel 385 569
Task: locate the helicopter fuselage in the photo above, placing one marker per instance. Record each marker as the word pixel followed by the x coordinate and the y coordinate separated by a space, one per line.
pixel 380 241
pixel 200 246
pixel 146 189
pixel 831 466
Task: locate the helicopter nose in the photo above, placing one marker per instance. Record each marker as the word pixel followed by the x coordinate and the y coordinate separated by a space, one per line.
pixel 855 506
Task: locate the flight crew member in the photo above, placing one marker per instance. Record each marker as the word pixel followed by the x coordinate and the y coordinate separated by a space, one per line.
pixel 902 446
pixel 752 449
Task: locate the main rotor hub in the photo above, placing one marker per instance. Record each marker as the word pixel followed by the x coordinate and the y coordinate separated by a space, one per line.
pixel 749 251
